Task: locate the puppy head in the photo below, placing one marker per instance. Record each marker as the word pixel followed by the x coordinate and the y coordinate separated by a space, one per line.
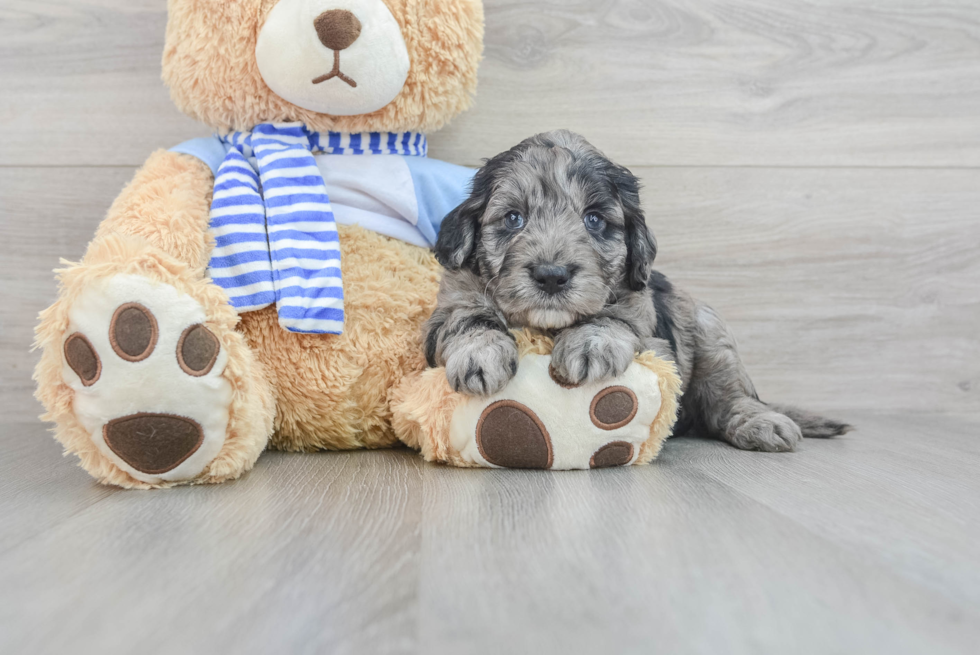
pixel 554 228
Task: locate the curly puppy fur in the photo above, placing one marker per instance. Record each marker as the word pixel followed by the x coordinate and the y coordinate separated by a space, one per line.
pixel 552 237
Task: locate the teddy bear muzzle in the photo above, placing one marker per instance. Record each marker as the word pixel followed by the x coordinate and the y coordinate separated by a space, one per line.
pixel 337 57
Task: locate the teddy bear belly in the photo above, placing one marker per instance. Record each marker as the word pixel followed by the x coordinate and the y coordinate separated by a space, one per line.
pixel 332 391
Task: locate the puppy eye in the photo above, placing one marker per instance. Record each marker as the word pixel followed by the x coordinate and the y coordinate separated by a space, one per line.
pixel 514 221
pixel 594 222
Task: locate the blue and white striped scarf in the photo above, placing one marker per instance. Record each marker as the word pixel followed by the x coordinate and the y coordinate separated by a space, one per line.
pixel 275 234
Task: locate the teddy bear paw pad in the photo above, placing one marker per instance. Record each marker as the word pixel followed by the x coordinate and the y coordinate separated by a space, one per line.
pixel 82 358
pixel 153 443
pixel 511 435
pixel 617 453
pixel 147 375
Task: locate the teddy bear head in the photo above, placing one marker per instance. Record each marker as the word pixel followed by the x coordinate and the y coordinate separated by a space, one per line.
pixel 335 65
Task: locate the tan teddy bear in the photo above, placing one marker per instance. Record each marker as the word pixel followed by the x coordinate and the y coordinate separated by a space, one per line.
pixel 266 287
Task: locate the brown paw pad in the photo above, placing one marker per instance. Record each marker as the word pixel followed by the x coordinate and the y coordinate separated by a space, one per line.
pixel 617 453
pixel 82 358
pixel 613 407
pixel 133 332
pixel 509 434
pixel 197 350
pixel 153 443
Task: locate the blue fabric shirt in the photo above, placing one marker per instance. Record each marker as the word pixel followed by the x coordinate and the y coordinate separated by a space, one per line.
pixel 398 196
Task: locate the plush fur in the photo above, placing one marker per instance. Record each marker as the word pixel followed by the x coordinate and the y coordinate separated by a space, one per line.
pixel 154 229
pixel 209 65
pixel 289 391
pixel 333 392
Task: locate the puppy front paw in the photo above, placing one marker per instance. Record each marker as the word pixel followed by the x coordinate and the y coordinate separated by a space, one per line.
pixel 591 353
pixel 481 363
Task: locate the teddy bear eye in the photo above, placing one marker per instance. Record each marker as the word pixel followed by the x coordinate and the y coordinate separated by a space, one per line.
pixel 594 222
pixel 514 221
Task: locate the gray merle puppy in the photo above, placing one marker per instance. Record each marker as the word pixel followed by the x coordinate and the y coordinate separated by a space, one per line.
pixel 552 237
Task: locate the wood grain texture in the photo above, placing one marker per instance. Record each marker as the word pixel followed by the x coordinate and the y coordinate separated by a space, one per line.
pixel 45 222
pixel 759 82
pixel 324 559
pixel 855 289
pixel 754 82
pixel 887 478
pixel 81 82
pixel 673 558
pixel 862 544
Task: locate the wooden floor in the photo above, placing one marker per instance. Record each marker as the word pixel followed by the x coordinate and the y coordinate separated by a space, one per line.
pixel 811 169
pixel 866 544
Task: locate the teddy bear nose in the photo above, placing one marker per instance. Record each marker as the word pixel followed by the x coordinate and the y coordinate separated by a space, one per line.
pixel 337 28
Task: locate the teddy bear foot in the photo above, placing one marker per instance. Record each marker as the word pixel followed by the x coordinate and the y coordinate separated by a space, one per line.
pixel 509 434
pixel 147 373
pixel 538 421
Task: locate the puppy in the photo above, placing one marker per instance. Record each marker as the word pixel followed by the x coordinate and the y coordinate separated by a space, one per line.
pixel 552 237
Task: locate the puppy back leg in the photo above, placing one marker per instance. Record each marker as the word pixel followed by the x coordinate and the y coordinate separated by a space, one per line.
pixel 722 398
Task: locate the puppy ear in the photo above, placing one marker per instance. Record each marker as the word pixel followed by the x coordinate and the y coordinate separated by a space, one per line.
pixel 457 234
pixel 460 229
pixel 641 247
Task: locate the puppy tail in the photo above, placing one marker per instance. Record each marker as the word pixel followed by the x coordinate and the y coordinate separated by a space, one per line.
pixel 812 425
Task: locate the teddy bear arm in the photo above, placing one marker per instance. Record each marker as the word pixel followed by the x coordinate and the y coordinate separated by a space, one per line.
pixel 142 369
pixel 166 206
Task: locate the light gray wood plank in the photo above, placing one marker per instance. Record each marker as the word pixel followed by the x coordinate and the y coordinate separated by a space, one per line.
pixel 847 289
pixel 82 85
pixel 655 82
pixel 46 214
pixel 669 559
pixel 708 550
pixel 756 82
pixel 39 488
pixel 306 554
pixel 902 490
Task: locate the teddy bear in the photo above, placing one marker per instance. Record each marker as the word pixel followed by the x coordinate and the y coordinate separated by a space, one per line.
pixel 266 287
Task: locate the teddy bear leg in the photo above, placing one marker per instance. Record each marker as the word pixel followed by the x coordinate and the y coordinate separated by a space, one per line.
pixel 142 370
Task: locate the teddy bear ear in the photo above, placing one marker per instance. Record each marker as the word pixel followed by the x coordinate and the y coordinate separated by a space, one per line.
pixel 209 45
pixel 446 50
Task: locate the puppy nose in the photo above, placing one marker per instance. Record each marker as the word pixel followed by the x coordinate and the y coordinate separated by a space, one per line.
pixel 337 28
pixel 552 279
